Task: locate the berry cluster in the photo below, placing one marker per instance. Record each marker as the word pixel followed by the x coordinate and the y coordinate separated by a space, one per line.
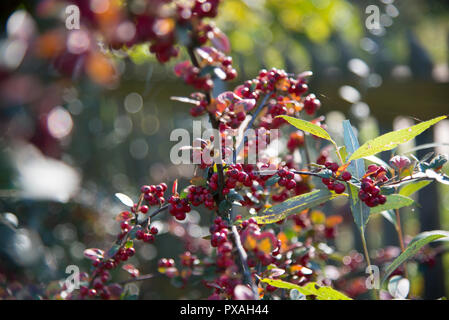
pixel 311 104
pixel 147 236
pixel 154 194
pixel 219 239
pixel 166 263
pixel 198 195
pixel 178 207
pixel 236 173
pixel 160 26
pixel 211 58
pixel 369 191
pixel 192 76
pixel 101 276
pixel 286 179
pixel 332 182
pixel 199 109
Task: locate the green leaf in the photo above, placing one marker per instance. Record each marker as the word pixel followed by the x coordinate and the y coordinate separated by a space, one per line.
pixel 360 211
pixel 425 234
pixel 272 180
pixel 308 127
pixel 411 188
pixel 390 215
pixel 392 139
pixel 129 244
pixel 112 251
pixel 310 289
pixel 225 206
pixel 294 205
pixel 378 161
pixel 415 245
pixel 394 201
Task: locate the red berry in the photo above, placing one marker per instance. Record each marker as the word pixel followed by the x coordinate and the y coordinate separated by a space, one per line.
pixel 346 176
pixel 339 188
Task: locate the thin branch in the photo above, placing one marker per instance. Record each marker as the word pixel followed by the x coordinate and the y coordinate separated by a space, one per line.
pixel 250 124
pixel 244 262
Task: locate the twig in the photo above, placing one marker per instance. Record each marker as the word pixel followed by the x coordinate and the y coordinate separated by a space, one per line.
pixel 250 124
pixel 243 262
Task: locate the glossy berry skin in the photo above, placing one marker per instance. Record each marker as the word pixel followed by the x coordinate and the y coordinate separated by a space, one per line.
pixel 346 176
pixel 339 188
pixel 369 192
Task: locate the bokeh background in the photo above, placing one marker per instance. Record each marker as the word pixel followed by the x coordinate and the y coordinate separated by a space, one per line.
pixel 70 140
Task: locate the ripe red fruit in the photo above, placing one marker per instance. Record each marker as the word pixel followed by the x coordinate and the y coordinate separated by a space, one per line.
pixel 339 188
pixel 346 176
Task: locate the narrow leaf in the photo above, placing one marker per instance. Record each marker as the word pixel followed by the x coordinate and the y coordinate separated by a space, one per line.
pixel 360 211
pixel 294 205
pixel 308 127
pixel 392 139
pixel 415 245
pixel 310 289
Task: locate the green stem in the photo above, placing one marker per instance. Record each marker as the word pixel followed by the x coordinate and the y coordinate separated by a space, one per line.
pixel 368 261
pixel 401 238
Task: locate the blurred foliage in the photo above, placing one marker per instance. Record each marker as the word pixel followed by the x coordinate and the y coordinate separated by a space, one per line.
pixel 115 148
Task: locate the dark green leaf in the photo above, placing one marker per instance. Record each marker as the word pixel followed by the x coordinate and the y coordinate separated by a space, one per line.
pixel 360 211
pixel 294 205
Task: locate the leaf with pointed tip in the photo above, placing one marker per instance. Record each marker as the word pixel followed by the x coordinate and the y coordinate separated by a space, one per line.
pixel 308 127
pixel 310 289
pixel 414 246
pixel 125 199
pixel 360 211
pixel 392 139
pixel 294 205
